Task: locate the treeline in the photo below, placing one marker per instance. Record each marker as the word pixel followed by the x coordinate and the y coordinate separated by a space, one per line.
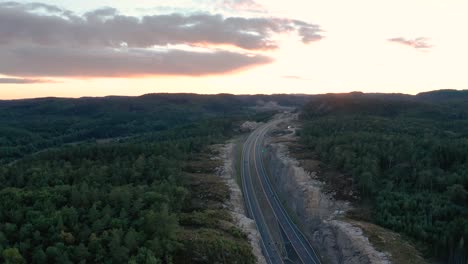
pixel 127 192
pixel 408 158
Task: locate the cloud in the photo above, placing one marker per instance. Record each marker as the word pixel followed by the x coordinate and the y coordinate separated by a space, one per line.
pixel 244 5
pixel 22 81
pixel 308 32
pixel 33 61
pixel 103 43
pixel 32 6
pixel 105 27
pixel 417 43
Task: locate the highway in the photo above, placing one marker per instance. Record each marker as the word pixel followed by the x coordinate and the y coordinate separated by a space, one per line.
pixel 253 170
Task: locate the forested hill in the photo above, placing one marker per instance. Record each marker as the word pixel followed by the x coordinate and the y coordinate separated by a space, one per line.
pixel 407 157
pixel 28 126
pixel 443 104
pixel 444 95
pixel 120 179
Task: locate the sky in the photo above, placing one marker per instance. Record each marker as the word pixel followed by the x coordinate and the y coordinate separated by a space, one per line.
pixel 69 48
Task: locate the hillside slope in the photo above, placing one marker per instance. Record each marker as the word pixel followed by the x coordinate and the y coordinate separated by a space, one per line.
pixel 406 156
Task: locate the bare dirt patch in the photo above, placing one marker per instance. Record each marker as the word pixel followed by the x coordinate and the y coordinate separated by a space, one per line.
pixel 399 250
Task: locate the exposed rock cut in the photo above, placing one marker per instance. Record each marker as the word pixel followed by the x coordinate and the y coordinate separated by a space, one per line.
pixel 318 213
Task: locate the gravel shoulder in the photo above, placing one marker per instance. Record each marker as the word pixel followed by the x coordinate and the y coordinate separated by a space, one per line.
pixel 228 172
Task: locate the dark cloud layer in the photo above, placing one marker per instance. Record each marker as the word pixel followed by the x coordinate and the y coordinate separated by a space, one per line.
pixel 21 81
pixel 417 43
pixel 105 27
pixel 42 40
pixel 65 62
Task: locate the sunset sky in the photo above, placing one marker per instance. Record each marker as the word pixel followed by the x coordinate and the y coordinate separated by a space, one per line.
pixel 75 48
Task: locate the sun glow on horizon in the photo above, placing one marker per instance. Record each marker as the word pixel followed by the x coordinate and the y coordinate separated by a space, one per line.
pixel 367 46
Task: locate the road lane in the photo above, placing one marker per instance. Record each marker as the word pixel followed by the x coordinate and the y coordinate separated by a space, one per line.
pixel 252 157
pixel 270 251
pixel 298 240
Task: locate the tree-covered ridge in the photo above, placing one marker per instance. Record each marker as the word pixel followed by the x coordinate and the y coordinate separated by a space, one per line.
pixel 28 126
pixel 144 195
pixel 408 158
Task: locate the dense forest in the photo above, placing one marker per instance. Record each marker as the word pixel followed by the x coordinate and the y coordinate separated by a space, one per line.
pixel 119 179
pixel 28 126
pixel 407 157
pixel 131 179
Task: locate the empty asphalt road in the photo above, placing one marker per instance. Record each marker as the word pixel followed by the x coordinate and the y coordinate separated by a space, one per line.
pixel 253 170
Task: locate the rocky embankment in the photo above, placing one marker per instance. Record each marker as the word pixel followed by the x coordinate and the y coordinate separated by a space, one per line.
pixel 318 213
